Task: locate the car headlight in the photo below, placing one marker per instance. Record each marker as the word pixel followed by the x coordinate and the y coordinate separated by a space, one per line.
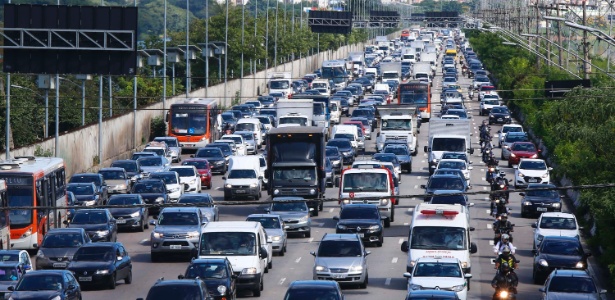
pixel 159 199
pixel 248 271
pixel 135 214
pixel 356 269
pixel 527 203
pixel 580 265
pixel 374 227
pixel 540 237
pixel 415 287
pixel 276 238
pixel 513 155
pixel 158 235
pixel 545 175
pixel 219 163
pixel 543 263
pixel 347 153
pixel 102 272
pixel 458 288
pixel 27 233
pixel 276 191
pixel 434 160
pixel 321 269
pixel 40 254
pixel 193 234
pixel 175 189
pixel 346 201
pixel 521 175
pixel 312 192
pixel 228 186
pixel 221 289
pixel 120 186
pixel 556 204
pixel 342 227
pixel 102 232
pixel 253 185
pixel 534 156
pixel 384 202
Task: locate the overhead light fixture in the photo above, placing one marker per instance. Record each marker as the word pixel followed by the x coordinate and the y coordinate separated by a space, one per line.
pixel 509 43
pixel 579 26
pixel 554 18
pixel 529 35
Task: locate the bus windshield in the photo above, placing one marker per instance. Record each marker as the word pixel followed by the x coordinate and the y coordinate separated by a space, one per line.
pixel 418 99
pixel 20 196
pixel 337 74
pixel 188 123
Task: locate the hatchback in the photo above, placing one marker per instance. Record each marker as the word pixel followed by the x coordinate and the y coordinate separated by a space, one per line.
pixel 343 258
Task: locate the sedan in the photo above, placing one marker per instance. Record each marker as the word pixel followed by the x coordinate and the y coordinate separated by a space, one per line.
pixel 403 156
pixel 555 224
pixel 203 168
pixel 85 194
pixel 499 115
pixel 456 164
pixel 98 223
pixel 334 154
pixel 558 252
pixel 535 200
pixel 214 156
pixel 97 179
pixel 102 264
pixel 49 284
pixel 205 203
pixel 362 219
pixel 58 247
pixel 438 273
pixel 572 285
pixel 345 148
pixel 134 217
pixel 519 150
pixel 117 180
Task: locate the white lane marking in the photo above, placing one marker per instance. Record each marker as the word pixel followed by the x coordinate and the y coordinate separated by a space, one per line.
pixel 489 226
pixel 401 240
pixel 298 260
pixel 416 187
pixel 484 188
pixel 406 224
pixel 418 177
pixel 394 260
pixel 488 211
pixel 422 161
pixel 387 282
pixel 492 261
pixel 482 170
pixel 144 241
pixel 282 281
pixel 310 240
pixel 490 242
pixel 330 210
pixel 425 154
pixel 410 209
pixel 487 198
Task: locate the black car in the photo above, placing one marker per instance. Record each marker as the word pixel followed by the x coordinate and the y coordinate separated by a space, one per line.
pixel 214 156
pixel 456 155
pixel 246 112
pixel 345 148
pixel 227 151
pixel 85 193
pixel 536 201
pixel 266 101
pixel 153 191
pixel 178 289
pixel 102 264
pixel 388 157
pixel 132 167
pixel 314 289
pixel 344 106
pixel 229 119
pixel 450 199
pixel 334 154
pixel 499 115
pixel 403 156
pixel 134 217
pixel 218 276
pixel 362 219
pixel 444 182
pixel 558 252
pixel 365 82
pixel 97 179
pixel 98 223
pixel 47 284
pixel 366 113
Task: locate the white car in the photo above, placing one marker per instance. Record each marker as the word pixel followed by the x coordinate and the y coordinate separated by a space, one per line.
pixel 487 103
pixel 171 180
pixel 438 274
pixel 505 129
pixel 555 223
pixel 240 144
pixel 188 176
pixel 457 164
pixel 531 170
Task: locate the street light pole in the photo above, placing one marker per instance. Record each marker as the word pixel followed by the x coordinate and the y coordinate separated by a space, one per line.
pixel 57 109
pixel 267 37
pixel 207 47
pixel 188 77
pixel 226 55
pixel 7 126
pixel 46 113
pixel 164 62
pixel 275 39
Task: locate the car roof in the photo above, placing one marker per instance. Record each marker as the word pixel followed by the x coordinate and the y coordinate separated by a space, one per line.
pixel 209 260
pixel 314 284
pixel 163 282
pixel 571 273
pixel 112 169
pixel 341 236
pixel 438 259
pixel 101 244
pixel 557 214
pixel 180 209
pixel 62 230
pixel 264 216
pixel 47 273
pixel 562 238
pixel 361 206
pixel 150 181
pixel 432 293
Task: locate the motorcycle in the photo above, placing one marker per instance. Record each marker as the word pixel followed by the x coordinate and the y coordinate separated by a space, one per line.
pixel 492 171
pixel 499 231
pixel 498 207
pixel 505 293
pixel 464 70
pixel 471 94
pixel 500 186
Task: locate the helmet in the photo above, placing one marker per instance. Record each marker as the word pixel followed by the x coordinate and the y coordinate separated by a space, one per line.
pixel 505 237
pixel 504 267
pixel 503 217
pixel 505 249
pixel 502 174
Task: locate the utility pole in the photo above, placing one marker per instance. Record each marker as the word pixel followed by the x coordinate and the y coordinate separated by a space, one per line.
pixel 559 38
pixel 548 31
pixel 586 66
pixel 537 33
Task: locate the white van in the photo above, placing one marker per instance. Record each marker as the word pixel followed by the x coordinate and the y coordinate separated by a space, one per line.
pixel 382 87
pixel 243 178
pixel 372 71
pixel 440 230
pixel 254 125
pixel 245 244
pixel 349 132
pixel 322 84
pixel 335 110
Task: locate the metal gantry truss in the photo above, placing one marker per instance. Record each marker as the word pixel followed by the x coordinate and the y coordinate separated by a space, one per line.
pixel 329 22
pixel 68 39
pixel 370 24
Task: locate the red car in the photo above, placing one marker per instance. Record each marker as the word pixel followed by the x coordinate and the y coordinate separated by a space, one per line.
pixel 519 150
pixel 204 169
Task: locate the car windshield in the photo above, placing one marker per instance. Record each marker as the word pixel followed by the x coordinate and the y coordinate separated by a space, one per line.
pixel 123 200
pixel 89 217
pixel 296 173
pixel 158 151
pixel 150 161
pixel 62 240
pixel 436 269
pixel 438 238
pixel 267 222
pixel 94 254
pixel 344 136
pixel 364 182
pixel 228 243
pixel 236 139
pixel 180 291
pixel 396 150
pixel 128 166
pixel 169 141
pixel 166 178
pixel 524 147
pixel 206 271
pixel 491 102
pixel 561 247
pixel 511 138
pixel 9 274
pixel 81 190
pixel 148 188
pixel 86 179
pixel 331 152
pixel 4 257
pixel 44 282
pixel 454 156
pixel 298 206
pixel 532 165
pixel 248 136
pixel 211 152
pixel 506 129
pixel 200 165
pixel 178 218
pixel 237 174
pixel 499 110
pixel 202 200
pixel 386 158
pixel 449 172
pixel 359 213
pixel 560 223
pixel 445 183
pixel 340 249
pixel 571 284
pixel 184 172
pixel 533 192
pixel 450 79
pixel 110 175
pixel 312 294
pixel 452 165
pixel 397 124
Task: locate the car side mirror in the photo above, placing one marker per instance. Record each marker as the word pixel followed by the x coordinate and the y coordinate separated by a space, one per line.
pixel 263 253
pixel 470 168
pixel 550 169
pixel 152 222
pixel 180 276
pixel 588 254
pixel 534 252
pixel 405 247
pixel 471 204
pixel 423 186
pixel 408 275
pixel 313 253
pixel 602 292
pixel 515 167
pixel 65 222
pixel 336 218
pixel 534 225
pixel 366 253
pixel 473 248
pixel 472 228
pixel 467 275
pixel 267 209
pixel 224 177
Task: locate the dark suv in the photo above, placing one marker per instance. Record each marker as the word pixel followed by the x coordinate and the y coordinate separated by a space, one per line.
pixel 178 289
pixel 95 178
pixel 314 289
pixel 362 219
pixel 153 191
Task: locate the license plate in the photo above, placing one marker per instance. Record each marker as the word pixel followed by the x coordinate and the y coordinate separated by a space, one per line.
pixel 240 192
pixel 89 278
pixel 176 247
pixel 338 276
pixel 500 119
pixel 533 180
pixel 361 235
pixel 120 221
pixel 541 209
pixel 59 265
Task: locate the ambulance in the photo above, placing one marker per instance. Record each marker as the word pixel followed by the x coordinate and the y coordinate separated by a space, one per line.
pixel 439 230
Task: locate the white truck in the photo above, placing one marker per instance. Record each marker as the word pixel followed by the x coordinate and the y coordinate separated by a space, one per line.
pixel 391 71
pixel 356 63
pixel 422 71
pixel 298 112
pixel 280 82
pixel 432 58
pixel 418 47
pixel 446 135
pixel 398 122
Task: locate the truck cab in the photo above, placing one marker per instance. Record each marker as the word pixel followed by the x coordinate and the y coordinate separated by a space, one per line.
pixel 281 83
pixel 397 122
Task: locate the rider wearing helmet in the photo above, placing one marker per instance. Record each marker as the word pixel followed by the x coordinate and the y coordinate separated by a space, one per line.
pixel 502 226
pixel 505 279
pixel 507 256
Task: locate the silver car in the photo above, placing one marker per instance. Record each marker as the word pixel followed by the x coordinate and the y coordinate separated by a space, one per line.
pixel 117 180
pixel 274 227
pixel 205 203
pixel 178 230
pixel 571 285
pixel 343 258
pixel 248 139
pixel 295 214
pixel 175 150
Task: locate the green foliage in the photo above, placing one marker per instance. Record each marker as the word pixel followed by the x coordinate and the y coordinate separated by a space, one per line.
pixel 43 152
pixel 157 127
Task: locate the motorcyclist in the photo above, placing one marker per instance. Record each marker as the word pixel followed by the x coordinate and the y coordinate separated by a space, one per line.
pixel 501 226
pixel 498 207
pixel 504 280
pixel 500 183
pixel 503 246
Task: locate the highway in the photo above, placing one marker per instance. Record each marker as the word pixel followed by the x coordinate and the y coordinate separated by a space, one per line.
pixel 386 264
